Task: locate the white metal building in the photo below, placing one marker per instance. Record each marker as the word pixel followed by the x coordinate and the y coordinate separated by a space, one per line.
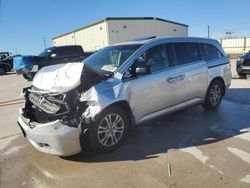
pixel 112 30
pixel 236 45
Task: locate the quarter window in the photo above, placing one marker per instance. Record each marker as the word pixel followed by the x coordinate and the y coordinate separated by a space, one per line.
pixel 186 52
pixel 210 52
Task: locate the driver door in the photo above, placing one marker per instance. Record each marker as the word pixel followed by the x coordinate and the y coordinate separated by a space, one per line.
pixel 154 93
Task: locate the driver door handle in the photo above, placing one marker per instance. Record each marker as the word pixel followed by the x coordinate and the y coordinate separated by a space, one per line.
pixel 171 80
pixel 181 77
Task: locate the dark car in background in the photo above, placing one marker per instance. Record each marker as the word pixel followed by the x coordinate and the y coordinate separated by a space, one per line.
pixel 243 65
pixel 54 55
pixel 6 62
pixel 60 54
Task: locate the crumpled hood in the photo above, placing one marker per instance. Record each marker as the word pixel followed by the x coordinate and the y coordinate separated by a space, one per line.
pixel 58 78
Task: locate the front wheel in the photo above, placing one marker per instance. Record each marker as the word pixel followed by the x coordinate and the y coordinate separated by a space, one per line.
pixel 109 129
pixel 28 76
pixel 214 95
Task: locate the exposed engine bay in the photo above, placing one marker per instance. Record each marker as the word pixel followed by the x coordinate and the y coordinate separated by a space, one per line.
pixel 58 95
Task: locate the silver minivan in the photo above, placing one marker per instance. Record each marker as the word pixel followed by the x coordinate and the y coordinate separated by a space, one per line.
pixel 98 101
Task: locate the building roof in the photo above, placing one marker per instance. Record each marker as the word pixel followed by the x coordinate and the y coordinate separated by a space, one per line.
pixel 121 18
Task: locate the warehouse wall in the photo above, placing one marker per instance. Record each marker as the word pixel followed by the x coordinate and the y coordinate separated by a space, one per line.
pixel 65 40
pixel 91 38
pixel 123 30
pixel 236 45
pixel 108 32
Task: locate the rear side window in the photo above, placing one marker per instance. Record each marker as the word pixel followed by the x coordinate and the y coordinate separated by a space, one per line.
pixel 76 50
pixel 186 52
pixel 210 52
pixel 60 52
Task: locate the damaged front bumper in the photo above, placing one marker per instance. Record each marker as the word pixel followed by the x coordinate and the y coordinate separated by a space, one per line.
pixel 53 115
pixel 52 137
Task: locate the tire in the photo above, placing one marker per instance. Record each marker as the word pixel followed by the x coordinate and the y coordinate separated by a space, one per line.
pixel 214 95
pixel 101 136
pixel 28 76
pixel 2 71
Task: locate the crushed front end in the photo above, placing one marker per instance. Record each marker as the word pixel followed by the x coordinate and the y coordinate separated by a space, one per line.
pixel 52 119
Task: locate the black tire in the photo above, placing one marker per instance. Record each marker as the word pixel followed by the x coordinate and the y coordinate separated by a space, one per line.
pixel 214 95
pixel 100 125
pixel 2 71
pixel 28 76
pixel 242 75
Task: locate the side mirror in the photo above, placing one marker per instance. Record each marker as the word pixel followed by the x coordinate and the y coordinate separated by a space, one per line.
pixel 143 70
pixel 53 55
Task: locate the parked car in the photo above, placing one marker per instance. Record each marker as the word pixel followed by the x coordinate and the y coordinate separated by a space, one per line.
pixel 243 65
pixel 50 56
pixel 60 54
pixel 100 100
pixel 6 62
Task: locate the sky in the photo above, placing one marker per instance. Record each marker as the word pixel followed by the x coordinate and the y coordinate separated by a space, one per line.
pixel 25 24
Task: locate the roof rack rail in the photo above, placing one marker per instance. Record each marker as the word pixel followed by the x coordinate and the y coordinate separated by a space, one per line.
pixel 143 38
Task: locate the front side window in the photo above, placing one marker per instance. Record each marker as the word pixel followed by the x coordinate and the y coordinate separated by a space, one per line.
pixel 210 52
pixel 186 52
pixel 110 58
pixel 150 61
pixel 156 58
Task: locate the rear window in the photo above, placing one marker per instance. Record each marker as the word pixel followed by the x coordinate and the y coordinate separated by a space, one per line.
pixel 68 51
pixel 210 52
pixel 186 52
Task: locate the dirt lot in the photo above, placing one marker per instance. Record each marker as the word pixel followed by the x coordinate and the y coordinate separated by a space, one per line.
pixel 202 148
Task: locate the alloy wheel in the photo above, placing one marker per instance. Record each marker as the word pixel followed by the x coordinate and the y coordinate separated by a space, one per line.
pixel 215 94
pixel 110 129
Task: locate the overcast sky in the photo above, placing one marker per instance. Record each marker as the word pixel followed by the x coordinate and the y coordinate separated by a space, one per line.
pixel 24 23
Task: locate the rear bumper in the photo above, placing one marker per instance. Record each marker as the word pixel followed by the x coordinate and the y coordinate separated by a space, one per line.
pixel 53 137
pixel 243 69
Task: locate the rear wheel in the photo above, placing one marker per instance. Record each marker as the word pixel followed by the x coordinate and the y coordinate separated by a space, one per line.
pixel 2 71
pixel 214 95
pixel 109 130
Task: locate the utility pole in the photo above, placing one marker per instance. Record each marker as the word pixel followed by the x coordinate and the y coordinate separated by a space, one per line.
pixel 208 31
pixel 44 42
